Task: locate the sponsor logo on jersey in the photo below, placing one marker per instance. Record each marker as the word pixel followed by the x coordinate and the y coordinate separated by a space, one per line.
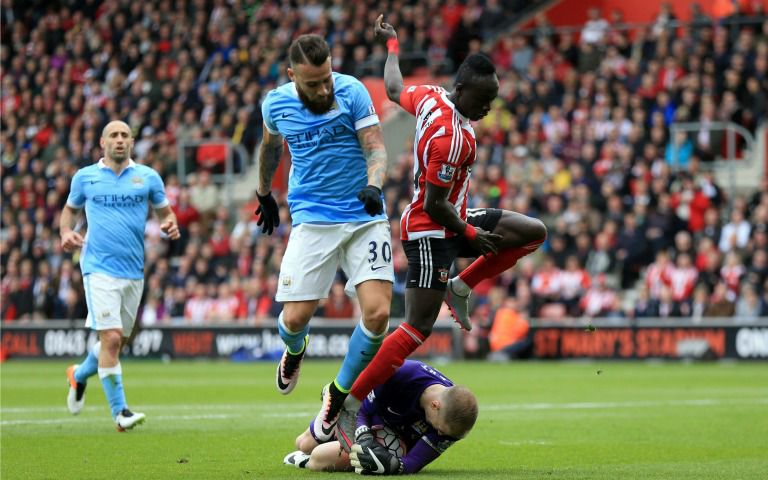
pixel 313 137
pixel 118 200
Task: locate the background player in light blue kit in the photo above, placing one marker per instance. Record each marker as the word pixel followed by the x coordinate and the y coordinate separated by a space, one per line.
pixel 116 193
pixel 334 195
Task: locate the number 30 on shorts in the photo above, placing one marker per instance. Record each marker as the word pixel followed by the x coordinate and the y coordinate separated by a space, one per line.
pixel 386 252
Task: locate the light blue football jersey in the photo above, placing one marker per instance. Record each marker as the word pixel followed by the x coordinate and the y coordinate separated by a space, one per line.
pixel 116 208
pixel 328 167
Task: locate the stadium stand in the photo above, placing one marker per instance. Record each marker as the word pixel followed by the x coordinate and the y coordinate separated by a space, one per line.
pixel 579 137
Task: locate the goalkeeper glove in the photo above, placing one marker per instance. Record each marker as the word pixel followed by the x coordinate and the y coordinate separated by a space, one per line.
pixel 371 198
pixel 374 460
pixel 269 214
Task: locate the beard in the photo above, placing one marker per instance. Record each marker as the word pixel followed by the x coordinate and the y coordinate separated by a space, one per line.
pixel 319 106
pixel 120 157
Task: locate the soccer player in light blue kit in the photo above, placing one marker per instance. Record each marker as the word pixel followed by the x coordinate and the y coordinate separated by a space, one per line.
pixel 116 193
pixel 334 195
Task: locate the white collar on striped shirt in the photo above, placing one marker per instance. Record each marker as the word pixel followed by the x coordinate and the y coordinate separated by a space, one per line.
pixel 464 120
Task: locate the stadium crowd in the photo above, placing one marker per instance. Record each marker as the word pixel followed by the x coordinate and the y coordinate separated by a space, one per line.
pixel 579 137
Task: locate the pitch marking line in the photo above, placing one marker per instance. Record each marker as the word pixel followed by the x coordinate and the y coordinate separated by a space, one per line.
pixel 245 408
pixel 153 418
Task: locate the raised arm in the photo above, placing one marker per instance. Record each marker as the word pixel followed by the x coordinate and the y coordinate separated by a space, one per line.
pixel 393 78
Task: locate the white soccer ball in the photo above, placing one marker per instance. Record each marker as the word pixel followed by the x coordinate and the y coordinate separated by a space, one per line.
pixel 390 439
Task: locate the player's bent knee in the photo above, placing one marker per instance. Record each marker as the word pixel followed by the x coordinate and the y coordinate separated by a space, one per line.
pixel 377 320
pixel 305 442
pixel 111 341
pixel 538 231
pixel 295 323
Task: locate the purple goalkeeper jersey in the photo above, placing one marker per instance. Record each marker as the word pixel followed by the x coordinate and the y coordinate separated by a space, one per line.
pixel 396 404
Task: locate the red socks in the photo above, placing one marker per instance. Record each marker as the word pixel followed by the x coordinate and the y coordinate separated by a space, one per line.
pixel 394 350
pixel 492 265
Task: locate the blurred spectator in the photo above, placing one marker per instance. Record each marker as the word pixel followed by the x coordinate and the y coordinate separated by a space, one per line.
pixel 719 305
pixel 644 305
pixel 749 307
pixel 667 307
pixel 679 151
pixel 198 307
pixel 595 28
pixel 699 303
pixel 735 233
pixel 600 300
pixel 682 278
pixel 600 260
pixel 509 337
pixel 338 304
pixel 631 251
pixel 545 283
pixel 226 305
pixel 204 197
pixel 574 282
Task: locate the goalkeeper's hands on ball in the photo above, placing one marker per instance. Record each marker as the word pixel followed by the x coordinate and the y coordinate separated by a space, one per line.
pixel 368 457
pixel 374 459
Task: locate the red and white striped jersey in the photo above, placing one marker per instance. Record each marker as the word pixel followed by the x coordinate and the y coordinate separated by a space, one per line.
pixel 681 281
pixel 444 150
pixel 656 277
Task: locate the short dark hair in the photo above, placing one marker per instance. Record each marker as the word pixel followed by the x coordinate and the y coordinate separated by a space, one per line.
pixel 459 409
pixel 309 49
pixel 475 65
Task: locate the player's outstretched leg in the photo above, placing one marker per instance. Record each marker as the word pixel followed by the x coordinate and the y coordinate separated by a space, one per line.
pixel 77 378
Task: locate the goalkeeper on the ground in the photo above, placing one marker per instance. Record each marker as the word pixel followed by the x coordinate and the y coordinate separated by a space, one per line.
pixel 423 407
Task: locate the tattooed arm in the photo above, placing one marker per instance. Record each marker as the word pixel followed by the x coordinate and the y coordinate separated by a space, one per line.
pixel 375 154
pixel 270 151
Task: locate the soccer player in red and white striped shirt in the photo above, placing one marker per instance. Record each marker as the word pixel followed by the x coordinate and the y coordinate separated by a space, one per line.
pixel 437 227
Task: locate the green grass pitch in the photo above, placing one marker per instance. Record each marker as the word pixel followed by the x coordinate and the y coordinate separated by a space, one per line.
pixel 539 420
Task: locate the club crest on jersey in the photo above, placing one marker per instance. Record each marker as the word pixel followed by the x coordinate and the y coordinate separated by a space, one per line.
pixel 446 172
pixel 137 182
pixel 286 281
pixel 443 275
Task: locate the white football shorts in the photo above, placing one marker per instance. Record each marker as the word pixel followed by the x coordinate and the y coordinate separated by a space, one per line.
pixel 112 302
pixel 316 251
